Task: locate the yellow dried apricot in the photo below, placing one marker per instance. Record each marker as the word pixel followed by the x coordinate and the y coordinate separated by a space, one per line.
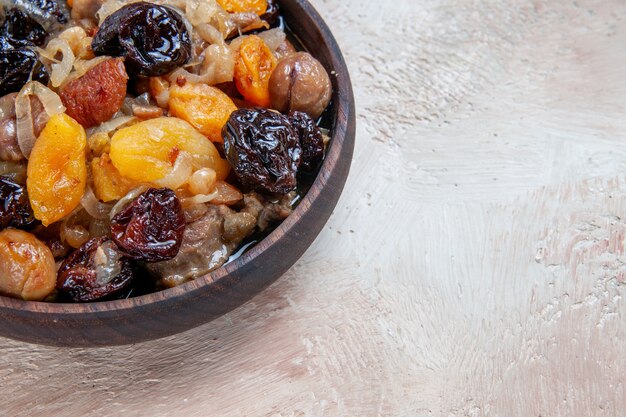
pixel 242 6
pixel 206 108
pixel 253 69
pixel 108 183
pixel 147 151
pixel 57 169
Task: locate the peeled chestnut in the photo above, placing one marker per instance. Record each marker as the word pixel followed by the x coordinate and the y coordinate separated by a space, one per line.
pixel 300 82
pixel 27 268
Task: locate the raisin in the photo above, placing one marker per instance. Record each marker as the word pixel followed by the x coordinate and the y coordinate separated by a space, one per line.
pixel 18 25
pixel 96 96
pixel 150 228
pixel 94 271
pixel 263 149
pixel 311 140
pixel 15 210
pixel 17 66
pixel 153 39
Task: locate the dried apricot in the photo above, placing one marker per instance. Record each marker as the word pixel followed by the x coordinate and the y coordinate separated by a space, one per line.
pixel 96 96
pixel 206 108
pixel 253 69
pixel 147 151
pixel 57 169
pixel 27 268
pixel 108 183
pixel 242 6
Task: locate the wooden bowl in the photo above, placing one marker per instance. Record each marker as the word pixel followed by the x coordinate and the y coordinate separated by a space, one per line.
pixel 194 303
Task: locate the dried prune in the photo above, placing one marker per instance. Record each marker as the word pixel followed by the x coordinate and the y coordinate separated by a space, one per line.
pixel 153 38
pixel 17 67
pixel 263 149
pixel 271 14
pixel 50 14
pixel 94 271
pixel 15 210
pixel 18 25
pixel 150 228
pixel 311 140
pixel 96 96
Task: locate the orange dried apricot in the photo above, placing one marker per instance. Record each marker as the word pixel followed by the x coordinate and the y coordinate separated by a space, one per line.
pixel 253 69
pixel 57 169
pixel 108 183
pixel 147 151
pixel 206 108
pixel 242 6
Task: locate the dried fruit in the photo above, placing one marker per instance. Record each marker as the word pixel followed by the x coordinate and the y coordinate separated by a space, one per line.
pixel 300 82
pixel 311 140
pixel 15 209
pixel 27 268
pixel 244 6
pixel 147 151
pixel 253 68
pixel 19 25
pixel 153 38
pixel 263 149
pixel 17 67
pixel 96 96
pixel 272 12
pixel 108 183
pixel 206 108
pixel 150 228
pixel 94 271
pixel 57 169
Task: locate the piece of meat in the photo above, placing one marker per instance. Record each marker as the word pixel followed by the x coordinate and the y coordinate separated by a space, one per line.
pixel 204 248
pixel 212 235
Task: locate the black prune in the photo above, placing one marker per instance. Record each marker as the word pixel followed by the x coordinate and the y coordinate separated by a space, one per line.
pixel 311 140
pixel 15 210
pixel 272 13
pixel 150 228
pixel 153 39
pixel 94 271
pixel 50 14
pixel 263 149
pixel 17 67
pixel 17 25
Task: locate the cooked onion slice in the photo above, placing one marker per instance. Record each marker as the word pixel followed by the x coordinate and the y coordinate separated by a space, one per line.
pixel 24 118
pixel 180 173
pixel 93 206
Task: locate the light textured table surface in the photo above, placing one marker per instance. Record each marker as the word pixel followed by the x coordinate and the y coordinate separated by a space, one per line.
pixel 475 265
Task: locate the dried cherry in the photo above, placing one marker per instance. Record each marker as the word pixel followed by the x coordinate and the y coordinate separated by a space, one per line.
pixel 153 38
pixel 15 210
pixel 96 270
pixel 263 149
pixel 150 228
pixel 311 140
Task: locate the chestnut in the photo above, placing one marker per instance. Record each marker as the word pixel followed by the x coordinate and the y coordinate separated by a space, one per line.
pixel 300 82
